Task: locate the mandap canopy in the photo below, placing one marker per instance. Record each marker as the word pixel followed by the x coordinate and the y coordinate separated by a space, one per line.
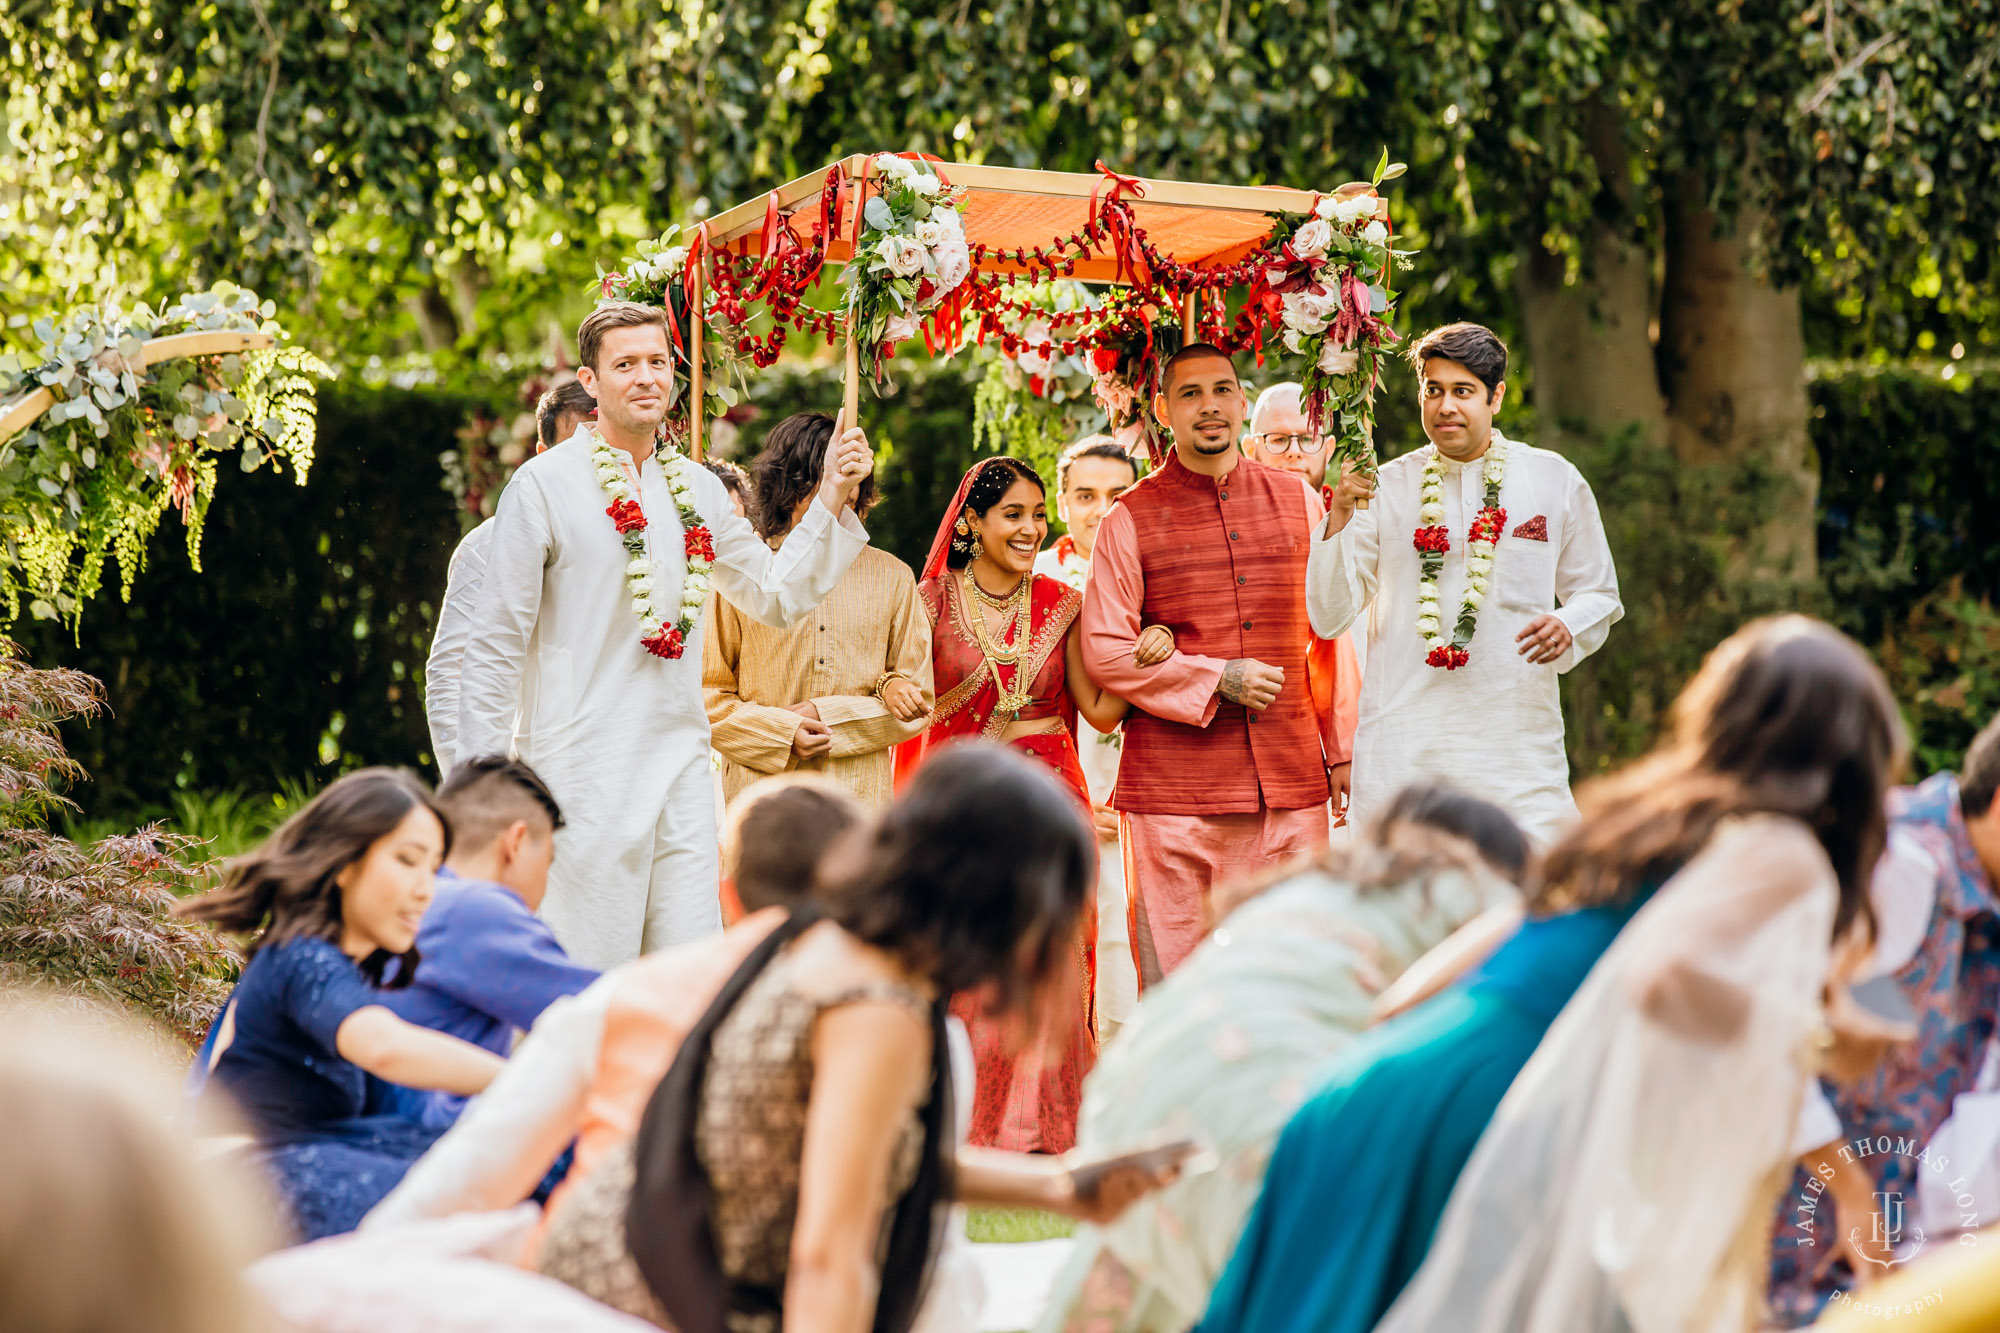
pixel 954 253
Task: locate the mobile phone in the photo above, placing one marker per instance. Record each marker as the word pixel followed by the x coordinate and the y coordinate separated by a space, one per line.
pixel 1191 1155
pixel 1882 997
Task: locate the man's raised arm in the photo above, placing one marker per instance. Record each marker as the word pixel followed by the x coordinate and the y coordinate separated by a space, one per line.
pixel 1180 689
pixel 510 602
pixel 1341 568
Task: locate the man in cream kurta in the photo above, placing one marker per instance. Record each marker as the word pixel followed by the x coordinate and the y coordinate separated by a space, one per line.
pixel 621 736
pixel 1492 727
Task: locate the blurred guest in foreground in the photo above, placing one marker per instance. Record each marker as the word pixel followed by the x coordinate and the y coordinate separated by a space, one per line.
pixel 334 898
pixel 1226 1047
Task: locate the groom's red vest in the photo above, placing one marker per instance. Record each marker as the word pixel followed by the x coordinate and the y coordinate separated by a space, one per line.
pixel 1225 568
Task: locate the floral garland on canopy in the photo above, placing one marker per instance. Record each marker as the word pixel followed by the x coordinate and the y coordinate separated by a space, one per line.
pixel 125 442
pixel 1331 280
pixel 910 260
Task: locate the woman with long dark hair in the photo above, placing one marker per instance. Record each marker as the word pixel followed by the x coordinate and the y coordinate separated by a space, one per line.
pixel 792 1169
pixel 334 899
pixel 1633 1140
pixel 1007 664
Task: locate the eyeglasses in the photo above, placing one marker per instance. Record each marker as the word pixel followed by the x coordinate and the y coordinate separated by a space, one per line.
pixel 1284 444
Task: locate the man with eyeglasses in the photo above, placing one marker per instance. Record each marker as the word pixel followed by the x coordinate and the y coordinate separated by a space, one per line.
pixel 1281 437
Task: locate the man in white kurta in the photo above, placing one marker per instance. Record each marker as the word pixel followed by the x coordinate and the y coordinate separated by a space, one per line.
pixel 557 415
pixel 621 736
pixel 1492 727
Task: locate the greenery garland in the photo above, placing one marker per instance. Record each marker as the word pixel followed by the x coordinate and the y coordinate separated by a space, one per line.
pixel 124 442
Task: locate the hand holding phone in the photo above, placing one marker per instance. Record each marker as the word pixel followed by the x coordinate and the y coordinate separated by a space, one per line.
pixel 1105 1187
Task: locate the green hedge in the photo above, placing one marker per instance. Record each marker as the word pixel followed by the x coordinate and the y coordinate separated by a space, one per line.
pixel 299 652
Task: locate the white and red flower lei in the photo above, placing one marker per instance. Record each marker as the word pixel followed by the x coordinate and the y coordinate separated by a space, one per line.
pixel 1433 539
pixel 657 636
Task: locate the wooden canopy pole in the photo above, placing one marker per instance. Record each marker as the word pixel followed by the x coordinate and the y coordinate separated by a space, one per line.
pixel 850 404
pixel 1190 315
pixel 695 386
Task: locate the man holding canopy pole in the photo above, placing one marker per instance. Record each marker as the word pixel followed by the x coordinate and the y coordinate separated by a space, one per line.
pixel 605 550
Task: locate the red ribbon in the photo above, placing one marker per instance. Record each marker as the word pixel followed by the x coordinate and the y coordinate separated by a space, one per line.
pixel 1112 217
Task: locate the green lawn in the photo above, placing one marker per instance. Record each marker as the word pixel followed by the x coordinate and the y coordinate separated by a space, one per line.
pixel 1010 1225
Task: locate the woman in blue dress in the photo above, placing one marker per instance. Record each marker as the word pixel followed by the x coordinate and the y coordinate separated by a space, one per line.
pixel 335 894
pixel 1780 721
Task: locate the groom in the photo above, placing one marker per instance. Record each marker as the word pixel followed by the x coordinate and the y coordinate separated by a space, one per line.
pixel 616 729
pixel 1225 768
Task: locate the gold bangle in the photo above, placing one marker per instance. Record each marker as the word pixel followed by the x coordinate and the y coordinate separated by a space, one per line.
pixel 882 681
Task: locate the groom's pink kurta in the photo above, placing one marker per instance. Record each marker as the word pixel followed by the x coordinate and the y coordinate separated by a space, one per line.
pixel 1208 791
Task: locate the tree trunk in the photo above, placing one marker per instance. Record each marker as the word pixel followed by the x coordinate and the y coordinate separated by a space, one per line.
pixel 1590 341
pixel 437 322
pixel 1732 360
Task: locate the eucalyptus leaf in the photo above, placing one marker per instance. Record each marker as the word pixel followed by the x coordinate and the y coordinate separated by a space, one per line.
pixel 878 214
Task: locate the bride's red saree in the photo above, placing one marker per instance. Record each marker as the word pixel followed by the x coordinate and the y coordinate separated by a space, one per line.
pixel 1027 1099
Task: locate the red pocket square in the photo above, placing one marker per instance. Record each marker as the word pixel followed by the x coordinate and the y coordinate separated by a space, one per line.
pixel 1535 529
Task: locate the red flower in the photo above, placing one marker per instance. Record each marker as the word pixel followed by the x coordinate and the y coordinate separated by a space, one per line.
pixel 1488 526
pixel 666 643
pixel 1448 656
pixel 1105 360
pixel 627 516
pixel 608 287
pixel 700 542
pixel 1037 386
pixel 926 289
pixel 1436 540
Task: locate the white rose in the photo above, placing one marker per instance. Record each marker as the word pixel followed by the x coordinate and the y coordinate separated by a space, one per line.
pixel 925 185
pixel 954 263
pixel 897 168
pixel 639 566
pixel 674 258
pixel 1427 591
pixel 693 598
pixel 946 216
pixel 1350 211
pixel 1312 238
pixel 641 585
pixel 1375 232
pixel 1322 307
pixel 901 328
pixel 1300 316
pixel 1338 360
pixel 1482 548
pixel 1325 208
pixel 1432 513
pixel 1474 596
pixel 649 626
pixel 1477 564
pixel 930 234
pixel 905 256
pixel 1428 625
pixel 1295 342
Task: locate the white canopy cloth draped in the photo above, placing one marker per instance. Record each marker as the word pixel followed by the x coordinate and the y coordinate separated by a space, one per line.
pixel 1493 727
pixel 620 736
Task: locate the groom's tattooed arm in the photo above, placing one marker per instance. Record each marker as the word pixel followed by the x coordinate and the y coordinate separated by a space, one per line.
pixel 1251 683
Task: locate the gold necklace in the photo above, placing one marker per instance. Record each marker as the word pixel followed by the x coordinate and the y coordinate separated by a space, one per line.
pixel 1000 603
pixel 1011 701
